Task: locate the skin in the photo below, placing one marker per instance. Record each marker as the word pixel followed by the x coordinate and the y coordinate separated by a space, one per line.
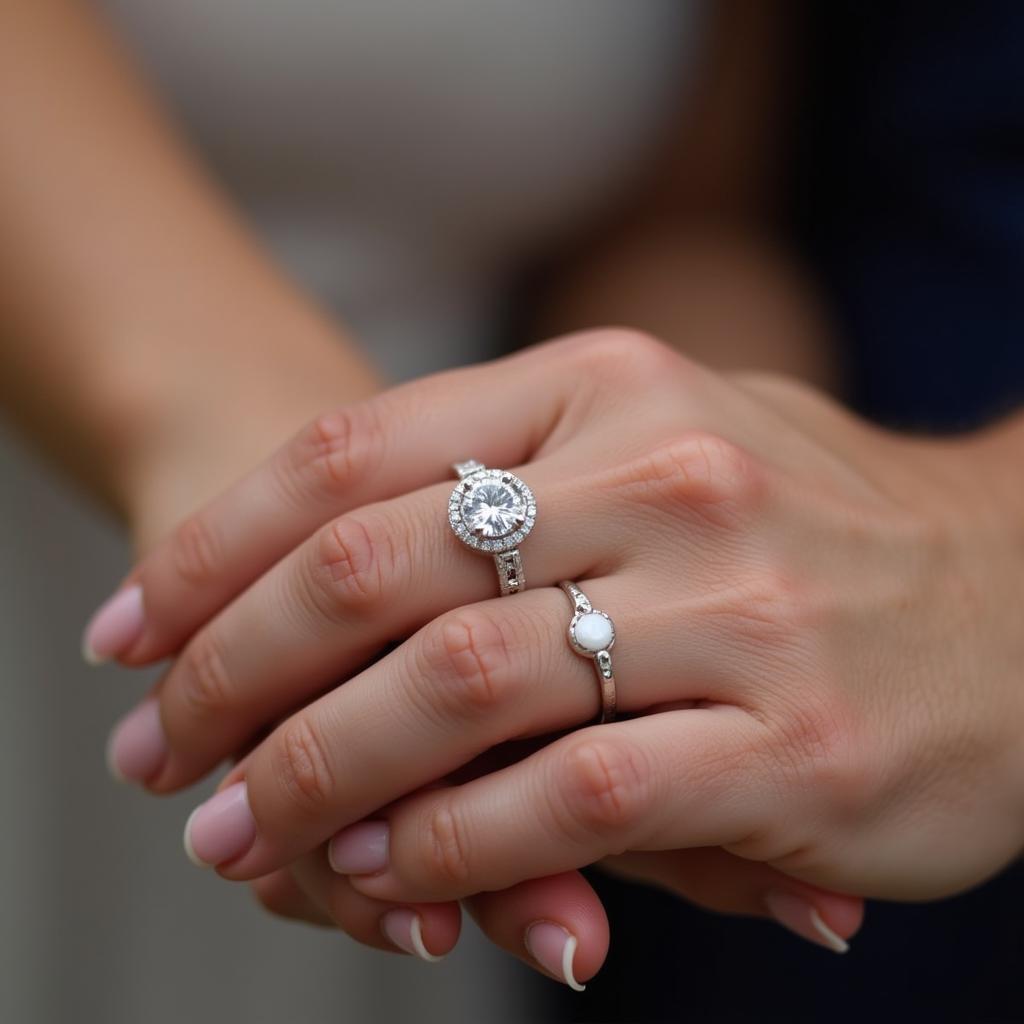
pixel 826 688
pixel 140 321
pixel 137 378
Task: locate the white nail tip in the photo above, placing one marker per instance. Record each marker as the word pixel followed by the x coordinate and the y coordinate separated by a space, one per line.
pixel 834 942
pixel 116 774
pixel 90 657
pixel 568 955
pixel 187 842
pixel 416 932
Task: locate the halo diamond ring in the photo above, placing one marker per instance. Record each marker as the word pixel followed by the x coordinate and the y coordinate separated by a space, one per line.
pixel 492 511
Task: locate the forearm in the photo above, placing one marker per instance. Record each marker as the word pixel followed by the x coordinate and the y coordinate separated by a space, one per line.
pixel 719 293
pixel 694 259
pixel 136 312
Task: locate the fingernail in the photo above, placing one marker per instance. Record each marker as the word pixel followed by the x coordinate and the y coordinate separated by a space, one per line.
pixel 221 829
pixel 137 747
pixel 554 949
pixel 405 929
pixel 360 849
pixel 114 627
pixel 801 917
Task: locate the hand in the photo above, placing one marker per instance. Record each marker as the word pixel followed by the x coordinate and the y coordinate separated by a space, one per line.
pixel 178 476
pixel 801 533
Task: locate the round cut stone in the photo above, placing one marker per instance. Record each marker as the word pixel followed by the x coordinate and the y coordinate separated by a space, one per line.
pixel 493 510
pixel 593 632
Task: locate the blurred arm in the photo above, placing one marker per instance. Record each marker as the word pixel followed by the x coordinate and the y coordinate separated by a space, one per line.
pixel 138 319
pixel 697 261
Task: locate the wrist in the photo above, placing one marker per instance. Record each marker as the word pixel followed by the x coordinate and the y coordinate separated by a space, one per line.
pixel 999 454
pixel 188 436
pixel 990 572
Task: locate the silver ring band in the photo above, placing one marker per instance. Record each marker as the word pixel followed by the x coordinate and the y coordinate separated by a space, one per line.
pixel 492 511
pixel 592 635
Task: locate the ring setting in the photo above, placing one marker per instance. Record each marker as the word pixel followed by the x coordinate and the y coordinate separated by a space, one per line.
pixel 591 632
pixel 493 511
pixel 592 635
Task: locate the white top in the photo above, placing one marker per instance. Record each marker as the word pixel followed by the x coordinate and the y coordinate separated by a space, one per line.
pixel 402 157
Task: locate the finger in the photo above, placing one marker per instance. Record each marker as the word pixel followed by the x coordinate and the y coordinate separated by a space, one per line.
pixel 328 607
pixel 427 931
pixel 381 572
pixel 393 443
pixel 556 924
pixel 677 779
pixel 469 681
pixel 721 881
pixel 279 894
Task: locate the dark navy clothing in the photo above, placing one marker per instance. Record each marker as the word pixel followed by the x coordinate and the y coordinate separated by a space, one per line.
pixel 909 210
pixel 910 202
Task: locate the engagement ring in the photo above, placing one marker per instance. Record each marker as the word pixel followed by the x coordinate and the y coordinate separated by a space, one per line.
pixel 492 511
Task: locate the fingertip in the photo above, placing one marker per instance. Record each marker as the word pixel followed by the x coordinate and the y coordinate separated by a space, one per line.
pixel 404 929
pixel 115 626
pixel 554 947
pixel 186 840
pixel 556 922
pixel 824 918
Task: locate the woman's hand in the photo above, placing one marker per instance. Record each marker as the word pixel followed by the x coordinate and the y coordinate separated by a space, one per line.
pixel 817 611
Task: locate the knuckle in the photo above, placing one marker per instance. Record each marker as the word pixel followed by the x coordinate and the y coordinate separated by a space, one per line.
pixel 819 751
pixel 335 452
pixel 467 658
pixel 206 689
pixel 446 847
pixel 197 550
pixel 779 597
pixel 303 765
pixel 617 350
pixel 609 788
pixel 769 613
pixel 354 563
pixel 701 471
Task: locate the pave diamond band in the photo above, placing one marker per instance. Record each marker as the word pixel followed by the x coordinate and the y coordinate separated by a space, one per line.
pixel 492 511
pixel 592 635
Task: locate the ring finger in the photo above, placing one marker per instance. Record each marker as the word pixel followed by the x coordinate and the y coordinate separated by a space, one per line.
pixel 466 683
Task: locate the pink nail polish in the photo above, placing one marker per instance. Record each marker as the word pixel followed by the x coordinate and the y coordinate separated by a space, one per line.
pixel 360 849
pixel 554 948
pixel 801 917
pixel 114 627
pixel 404 928
pixel 137 747
pixel 221 829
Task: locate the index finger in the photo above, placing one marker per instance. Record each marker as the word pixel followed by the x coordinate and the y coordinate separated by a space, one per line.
pixel 394 443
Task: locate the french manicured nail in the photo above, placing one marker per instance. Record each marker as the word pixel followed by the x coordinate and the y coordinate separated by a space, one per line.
pixel 221 829
pixel 405 929
pixel 554 948
pixel 802 918
pixel 360 849
pixel 114 627
pixel 137 746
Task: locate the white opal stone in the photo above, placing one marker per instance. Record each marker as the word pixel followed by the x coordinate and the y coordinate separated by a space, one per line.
pixel 593 632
